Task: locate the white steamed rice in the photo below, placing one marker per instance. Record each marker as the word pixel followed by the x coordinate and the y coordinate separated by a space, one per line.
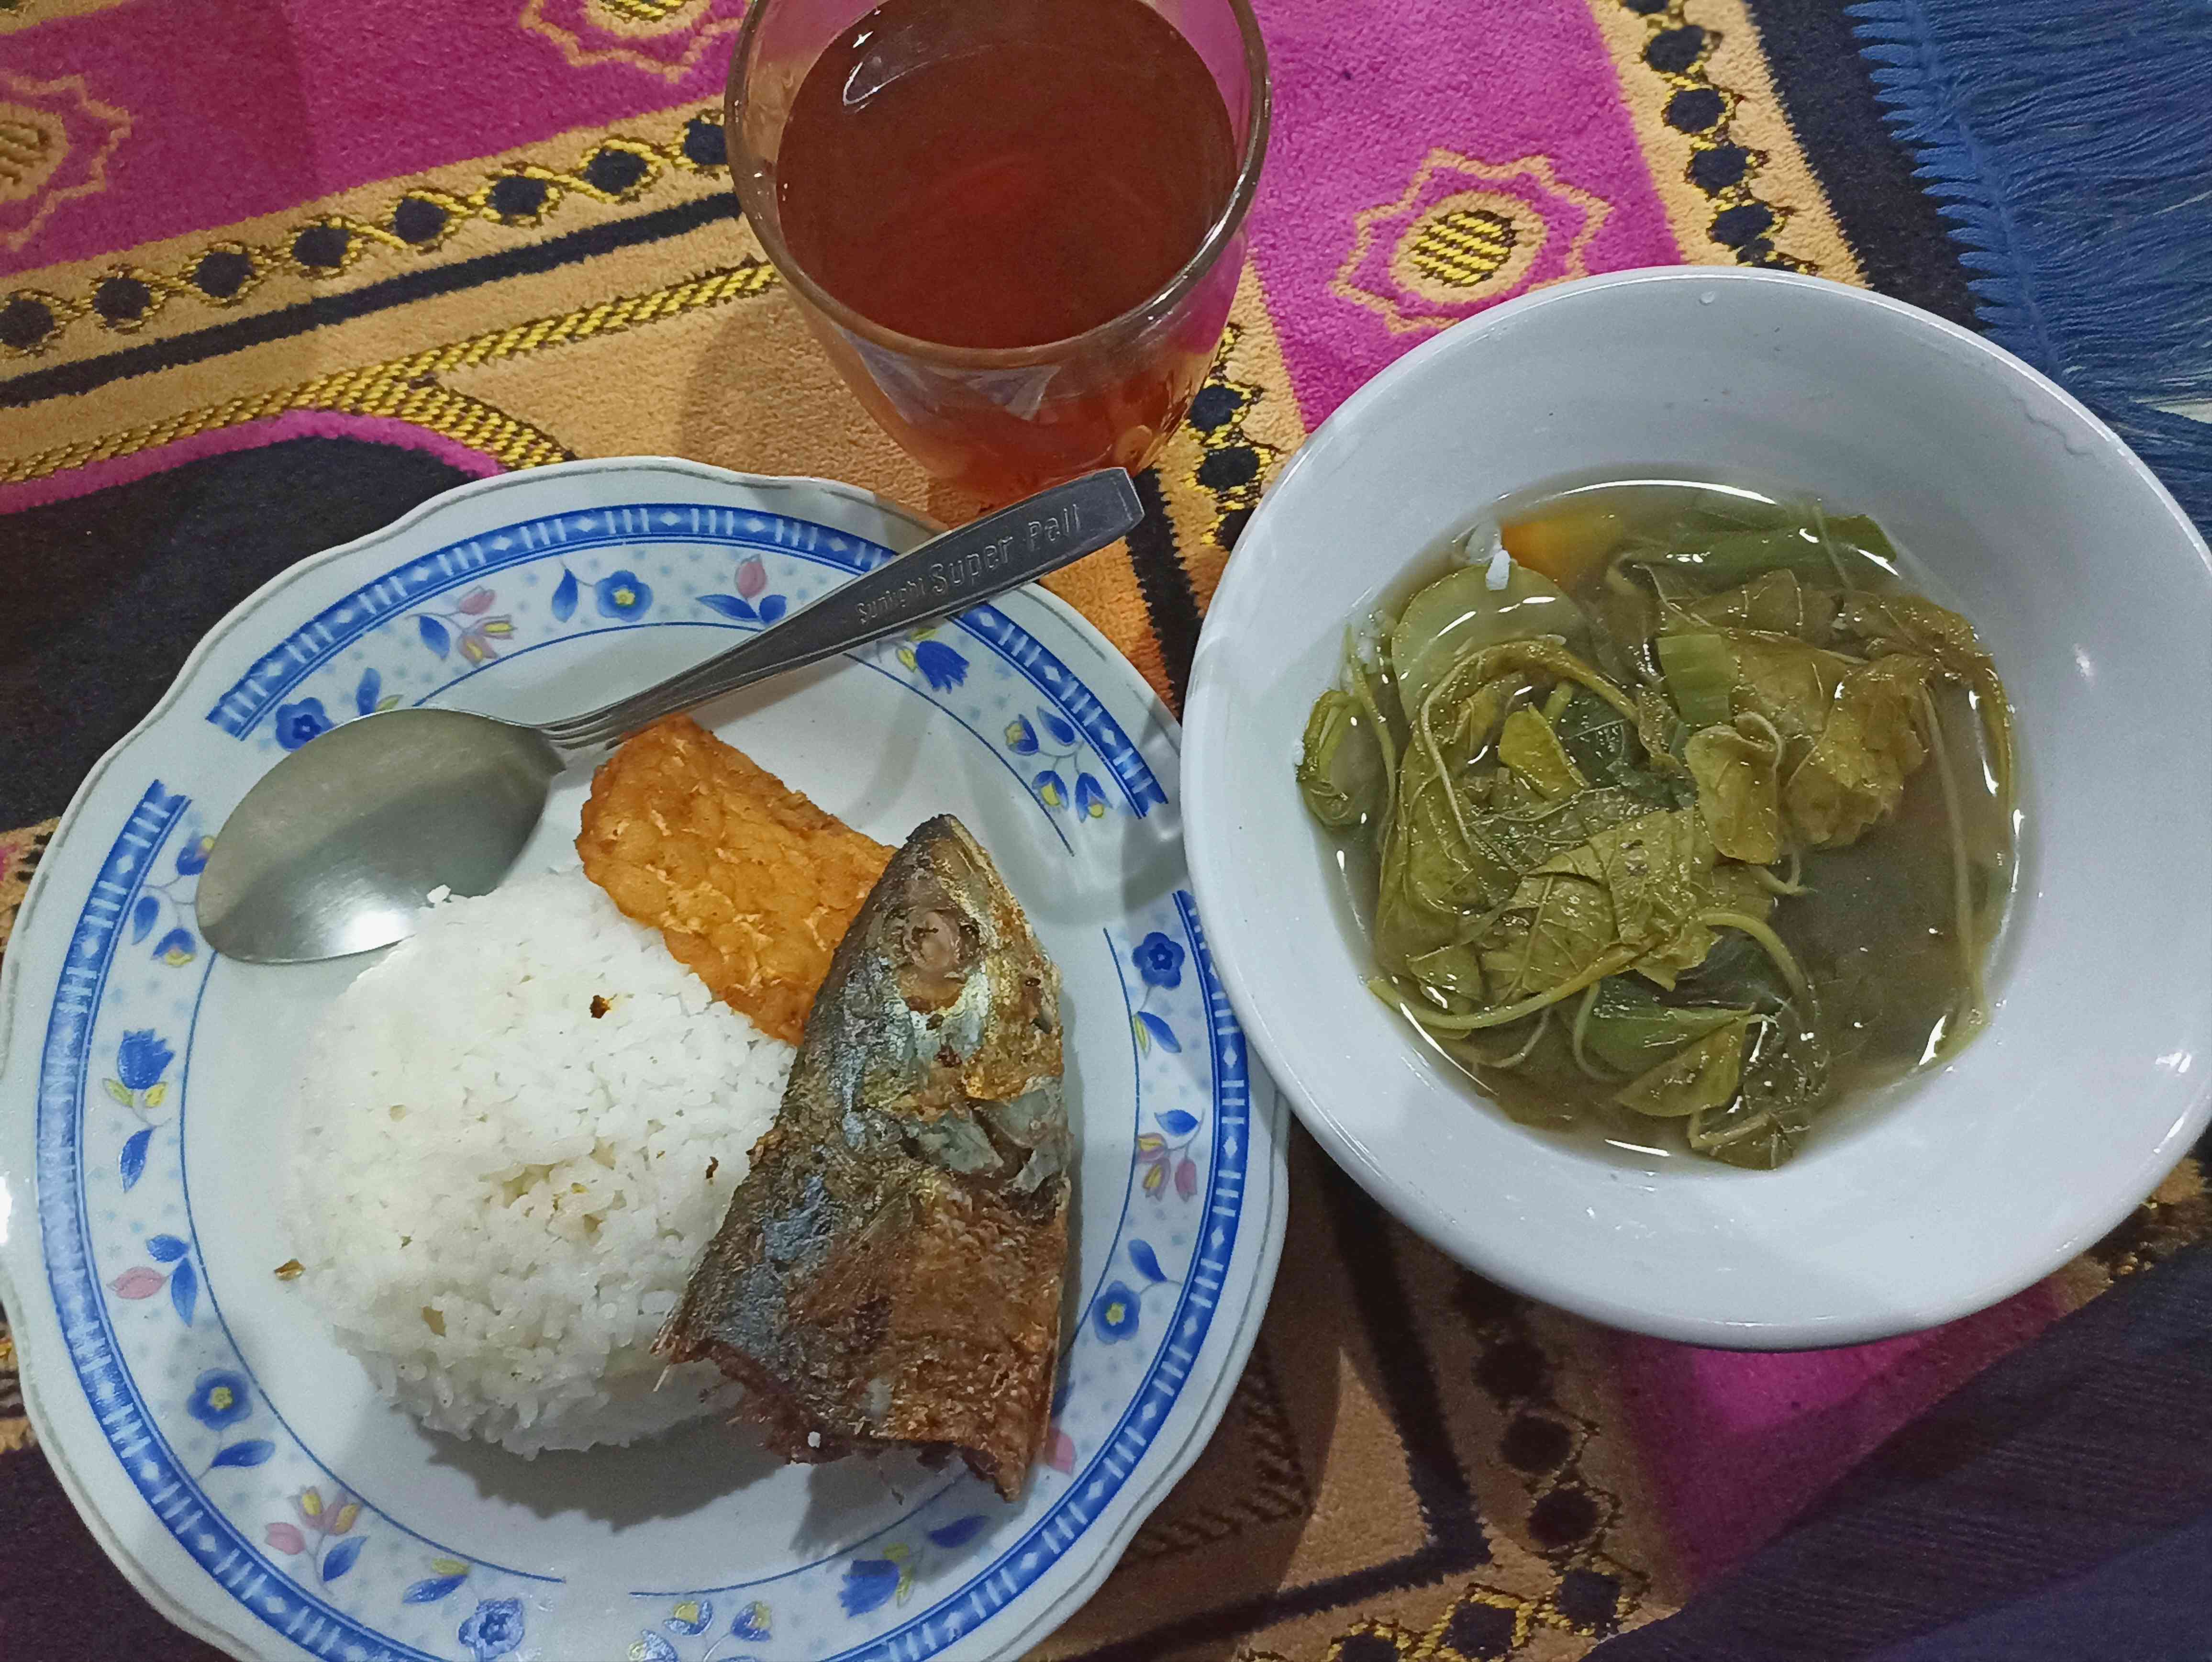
pixel 495 1197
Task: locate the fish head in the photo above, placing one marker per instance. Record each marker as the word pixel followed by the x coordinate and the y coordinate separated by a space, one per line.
pixel 973 988
pixel 942 1025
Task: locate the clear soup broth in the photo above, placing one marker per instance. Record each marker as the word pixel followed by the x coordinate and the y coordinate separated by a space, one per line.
pixel 1672 813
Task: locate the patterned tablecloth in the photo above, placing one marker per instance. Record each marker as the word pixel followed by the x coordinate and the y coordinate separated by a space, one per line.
pixel 272 271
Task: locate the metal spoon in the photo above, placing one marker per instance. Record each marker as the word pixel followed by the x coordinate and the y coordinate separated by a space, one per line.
pixel 335 848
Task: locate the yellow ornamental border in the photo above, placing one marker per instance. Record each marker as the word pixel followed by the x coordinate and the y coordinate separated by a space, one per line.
pixel 407 388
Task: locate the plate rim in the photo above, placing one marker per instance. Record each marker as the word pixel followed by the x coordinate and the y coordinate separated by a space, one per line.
pixel 1266 1110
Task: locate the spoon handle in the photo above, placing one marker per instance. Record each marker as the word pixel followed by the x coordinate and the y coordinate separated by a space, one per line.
pixel 964 567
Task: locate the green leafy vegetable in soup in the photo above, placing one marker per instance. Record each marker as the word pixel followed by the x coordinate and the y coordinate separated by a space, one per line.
pixel 1685 816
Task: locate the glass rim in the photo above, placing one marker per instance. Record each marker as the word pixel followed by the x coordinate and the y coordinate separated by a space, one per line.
pixel 746 166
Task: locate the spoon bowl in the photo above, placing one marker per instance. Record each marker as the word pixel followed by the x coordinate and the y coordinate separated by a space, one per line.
pixel 335 850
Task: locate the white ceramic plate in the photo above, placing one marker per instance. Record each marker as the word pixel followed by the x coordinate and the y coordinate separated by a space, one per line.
pixel 2095 595
pixel 237 1464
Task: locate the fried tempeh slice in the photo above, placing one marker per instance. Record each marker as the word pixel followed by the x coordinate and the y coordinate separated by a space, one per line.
pixel 750 885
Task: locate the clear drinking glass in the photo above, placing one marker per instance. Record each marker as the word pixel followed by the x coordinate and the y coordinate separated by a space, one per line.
pixel 1000 423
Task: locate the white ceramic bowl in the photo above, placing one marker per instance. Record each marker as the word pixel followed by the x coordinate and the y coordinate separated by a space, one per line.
pixel 2095 596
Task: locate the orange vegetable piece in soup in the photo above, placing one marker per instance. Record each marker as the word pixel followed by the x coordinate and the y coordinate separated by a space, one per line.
pixel 1567 546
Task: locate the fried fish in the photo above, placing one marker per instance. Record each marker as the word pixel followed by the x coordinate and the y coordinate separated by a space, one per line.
pixel 888 1273
pixel 751 885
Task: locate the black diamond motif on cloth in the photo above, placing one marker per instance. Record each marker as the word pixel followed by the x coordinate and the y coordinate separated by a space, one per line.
pixel 1671 52
pixel 615 171
pixel 1733 227
pixel 1717 169
pixel 1694 109
pixel 702 143
pixel 514 196
pixel 1513 1369
pixel 1367 1647
pixel 1536 1444
pixel 1227 468
pixel 1563 1518
pixel 25 322
pixel 1480 1631
pixel 417 220
pixel 1587 1599
pixel 221 272
pixel 1214 406
pixel 122 298
pixel 322 246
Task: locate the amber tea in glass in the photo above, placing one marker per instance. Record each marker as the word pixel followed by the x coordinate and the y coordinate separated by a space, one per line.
pixel 1016 224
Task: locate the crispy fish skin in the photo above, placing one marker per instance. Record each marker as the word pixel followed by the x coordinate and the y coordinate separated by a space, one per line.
pixel 752 885
pixel 890 1271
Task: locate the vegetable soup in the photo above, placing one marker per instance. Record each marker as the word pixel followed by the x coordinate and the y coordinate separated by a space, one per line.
pixel 1674 811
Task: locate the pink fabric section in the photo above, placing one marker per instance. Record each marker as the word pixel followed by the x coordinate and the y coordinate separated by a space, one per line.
pixel 1735 1444
pixel 247 436
pixel 1364 93
pixel 251 107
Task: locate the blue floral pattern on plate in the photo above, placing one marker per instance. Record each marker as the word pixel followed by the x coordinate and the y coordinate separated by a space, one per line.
pixel 294 1542
pixel 753 603
pixel 494 1628
pixel 1052 741
pixel 467 629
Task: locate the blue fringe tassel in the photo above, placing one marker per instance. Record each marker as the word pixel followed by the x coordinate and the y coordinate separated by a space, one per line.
pixel 2070 145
